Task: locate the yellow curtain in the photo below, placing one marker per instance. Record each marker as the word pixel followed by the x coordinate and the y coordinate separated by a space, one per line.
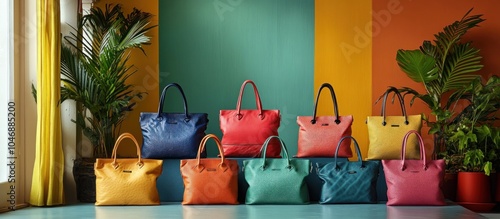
pixel 47 184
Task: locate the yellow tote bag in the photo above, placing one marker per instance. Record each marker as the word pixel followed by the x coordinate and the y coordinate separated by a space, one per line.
pixel 386 133
pixel 127 181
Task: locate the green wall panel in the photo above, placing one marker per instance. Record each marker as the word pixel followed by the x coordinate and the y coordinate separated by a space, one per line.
pixel 210 47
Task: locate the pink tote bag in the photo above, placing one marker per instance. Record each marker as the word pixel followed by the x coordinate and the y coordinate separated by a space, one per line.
pixel 414 182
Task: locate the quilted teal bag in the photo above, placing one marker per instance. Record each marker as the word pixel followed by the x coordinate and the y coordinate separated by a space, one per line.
pixel 349 182
pixel 276 180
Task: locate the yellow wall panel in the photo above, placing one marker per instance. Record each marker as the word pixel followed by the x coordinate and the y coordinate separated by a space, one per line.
pixel 343 57
pixel 146 79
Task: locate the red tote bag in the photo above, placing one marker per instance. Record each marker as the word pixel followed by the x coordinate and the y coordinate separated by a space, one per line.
pixel 320 135
pixel 244 131
pixel 414 182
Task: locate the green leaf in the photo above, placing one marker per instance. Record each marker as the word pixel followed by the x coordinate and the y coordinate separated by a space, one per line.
pixel 463 61
pixel 488 167
pixel 417 65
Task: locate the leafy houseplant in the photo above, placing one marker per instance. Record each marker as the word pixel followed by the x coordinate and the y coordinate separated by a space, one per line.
pixel 94 63
pixel 474 138
pixel 466 138
pixel 443 66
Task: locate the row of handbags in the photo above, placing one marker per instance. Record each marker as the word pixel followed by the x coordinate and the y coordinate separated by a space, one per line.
pixel 271 180
pixel 177 135
pixel 409 182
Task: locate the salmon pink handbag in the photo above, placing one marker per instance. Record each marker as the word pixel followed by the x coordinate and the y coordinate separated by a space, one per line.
pixel 320 135
pixel 414 182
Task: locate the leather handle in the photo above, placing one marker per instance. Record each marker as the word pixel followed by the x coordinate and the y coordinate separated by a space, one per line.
pixel 162 99
pixel 401 104
pixel 258 103
pixel 283 147
pixel 334 100
pixel 358 151
pixel 117 144
pixel 204 142
pixel 421 145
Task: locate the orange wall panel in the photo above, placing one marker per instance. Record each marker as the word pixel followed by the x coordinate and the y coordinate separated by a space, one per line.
pixel 415 21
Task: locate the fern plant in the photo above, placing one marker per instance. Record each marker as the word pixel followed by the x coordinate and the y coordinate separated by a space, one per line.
pixel 95 66
pixel 445 65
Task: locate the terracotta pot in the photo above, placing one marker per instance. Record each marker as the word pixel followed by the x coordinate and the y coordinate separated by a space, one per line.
pixel 450 186
pixel 473 187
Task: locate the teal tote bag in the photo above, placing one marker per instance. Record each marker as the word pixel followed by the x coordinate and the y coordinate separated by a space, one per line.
pixel 349 182
pixel 276 180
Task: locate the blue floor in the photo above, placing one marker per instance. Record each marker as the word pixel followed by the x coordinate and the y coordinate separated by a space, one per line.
pixel 313 211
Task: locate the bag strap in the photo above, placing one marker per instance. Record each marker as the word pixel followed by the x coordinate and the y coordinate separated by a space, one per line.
pixel 421 145
pixel 360 159
pixel 162 99
pixel 117 144
pixel 334 100
pixel 401 103
pixel 283 147
pixel 258 103
pixel 203 142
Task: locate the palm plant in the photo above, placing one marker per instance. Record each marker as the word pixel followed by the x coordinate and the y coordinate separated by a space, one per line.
pixel 443 66
pixel 94 65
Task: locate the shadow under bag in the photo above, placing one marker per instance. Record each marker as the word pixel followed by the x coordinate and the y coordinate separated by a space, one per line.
pixel 172 135
pixel 127 181
pixel 349 182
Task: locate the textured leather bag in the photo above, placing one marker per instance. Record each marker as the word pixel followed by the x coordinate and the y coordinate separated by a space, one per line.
pixel 349 182
pixel 127 181
pixel 414 182
pixel 276 180
pixel 385 132
pixel 320 135
pixel 172 135
pixel 244 131
pixel 210 180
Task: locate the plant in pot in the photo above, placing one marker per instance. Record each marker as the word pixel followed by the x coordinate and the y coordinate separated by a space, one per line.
pixel 476 139
pixel 95 68
pixel 443 67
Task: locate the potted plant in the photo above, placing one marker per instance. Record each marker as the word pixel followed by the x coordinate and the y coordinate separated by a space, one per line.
pixel 444 66
pixel 476 139
pixel 95 68
pixel 475 135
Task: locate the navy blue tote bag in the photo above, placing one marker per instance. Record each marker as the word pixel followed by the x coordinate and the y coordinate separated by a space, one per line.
pixel 172 135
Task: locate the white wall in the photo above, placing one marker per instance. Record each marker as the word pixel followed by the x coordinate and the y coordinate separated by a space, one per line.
pixel 25 47
pixel 69 17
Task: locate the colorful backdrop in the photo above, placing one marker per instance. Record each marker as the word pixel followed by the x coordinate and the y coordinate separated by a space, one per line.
pixel 290 47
